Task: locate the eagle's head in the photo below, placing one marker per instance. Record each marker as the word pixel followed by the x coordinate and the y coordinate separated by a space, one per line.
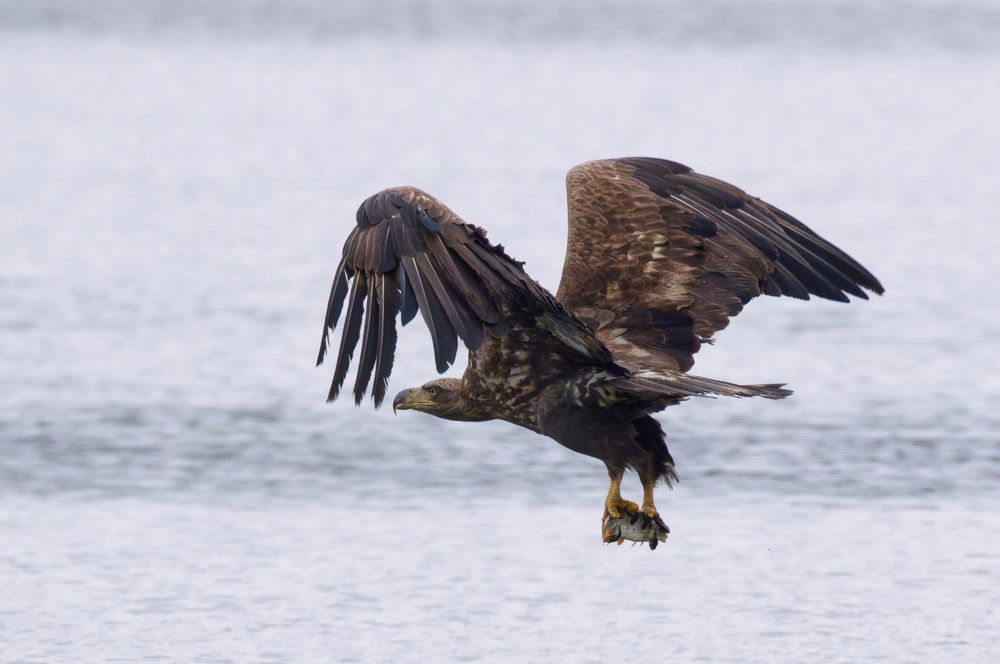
pixel 441 397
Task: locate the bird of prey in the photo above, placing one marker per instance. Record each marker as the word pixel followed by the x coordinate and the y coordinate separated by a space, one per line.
pixel 659 258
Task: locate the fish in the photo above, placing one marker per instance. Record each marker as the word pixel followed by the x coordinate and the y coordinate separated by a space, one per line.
pixel 635 527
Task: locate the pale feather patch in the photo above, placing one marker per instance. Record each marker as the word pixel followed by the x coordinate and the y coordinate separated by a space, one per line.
pixel 518 374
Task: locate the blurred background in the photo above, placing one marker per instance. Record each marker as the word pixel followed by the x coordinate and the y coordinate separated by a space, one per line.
pixel 178 178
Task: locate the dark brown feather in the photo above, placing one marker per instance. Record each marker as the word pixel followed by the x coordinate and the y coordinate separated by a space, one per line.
pixel 442 332
pixel 469 330
pixel 349 337
pixel 388 296
pixel 369 343
pixel 338 291
pixel 408 301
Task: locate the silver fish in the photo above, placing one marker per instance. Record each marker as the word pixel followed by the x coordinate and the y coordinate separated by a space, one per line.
pixel 635 528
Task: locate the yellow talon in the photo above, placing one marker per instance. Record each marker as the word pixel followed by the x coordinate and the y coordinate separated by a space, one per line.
pixel 617 507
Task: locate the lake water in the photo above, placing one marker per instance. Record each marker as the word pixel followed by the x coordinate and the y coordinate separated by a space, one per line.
pixel 177 180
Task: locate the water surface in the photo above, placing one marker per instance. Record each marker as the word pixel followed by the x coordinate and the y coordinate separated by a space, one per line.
pixel 174 196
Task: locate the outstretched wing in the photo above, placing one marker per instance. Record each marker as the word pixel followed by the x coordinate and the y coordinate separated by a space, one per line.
pixel 660 258
pixel 409 252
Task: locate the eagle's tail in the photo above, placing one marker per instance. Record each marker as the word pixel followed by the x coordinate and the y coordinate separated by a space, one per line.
pixel 682 385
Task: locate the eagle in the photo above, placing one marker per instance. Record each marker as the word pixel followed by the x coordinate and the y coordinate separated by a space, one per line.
pixel 659 258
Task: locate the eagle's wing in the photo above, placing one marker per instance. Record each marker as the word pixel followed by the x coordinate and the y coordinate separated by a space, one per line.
pixel 660 258
pixel 409 252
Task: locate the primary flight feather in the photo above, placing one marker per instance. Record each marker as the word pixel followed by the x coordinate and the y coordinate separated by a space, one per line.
pixel 659 258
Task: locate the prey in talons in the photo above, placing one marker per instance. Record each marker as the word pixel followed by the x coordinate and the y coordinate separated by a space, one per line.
pixel 634 526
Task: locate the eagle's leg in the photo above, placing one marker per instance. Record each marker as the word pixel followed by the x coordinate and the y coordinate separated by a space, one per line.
pixel 615 505
pixel 648 508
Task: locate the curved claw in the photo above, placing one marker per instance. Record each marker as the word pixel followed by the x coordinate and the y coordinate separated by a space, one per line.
pixel 618 508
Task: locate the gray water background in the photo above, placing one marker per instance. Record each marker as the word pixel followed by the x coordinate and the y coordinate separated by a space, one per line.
pixel 177 180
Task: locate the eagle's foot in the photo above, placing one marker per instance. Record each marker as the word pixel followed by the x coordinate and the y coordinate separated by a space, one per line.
pixel 651 518
pixel 617 507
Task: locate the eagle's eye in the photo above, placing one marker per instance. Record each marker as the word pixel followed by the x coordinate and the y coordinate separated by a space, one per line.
pixel 433 390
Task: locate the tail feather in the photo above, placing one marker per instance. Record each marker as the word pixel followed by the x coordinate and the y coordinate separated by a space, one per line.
pixel 770 390
pixel 682 385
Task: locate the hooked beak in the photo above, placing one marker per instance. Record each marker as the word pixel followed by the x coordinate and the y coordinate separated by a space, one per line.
pixel 401 400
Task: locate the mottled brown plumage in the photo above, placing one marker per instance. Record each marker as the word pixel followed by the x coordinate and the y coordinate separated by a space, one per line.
pixel 659 258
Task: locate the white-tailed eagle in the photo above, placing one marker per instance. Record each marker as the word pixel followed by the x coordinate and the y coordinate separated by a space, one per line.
pixel 659 258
